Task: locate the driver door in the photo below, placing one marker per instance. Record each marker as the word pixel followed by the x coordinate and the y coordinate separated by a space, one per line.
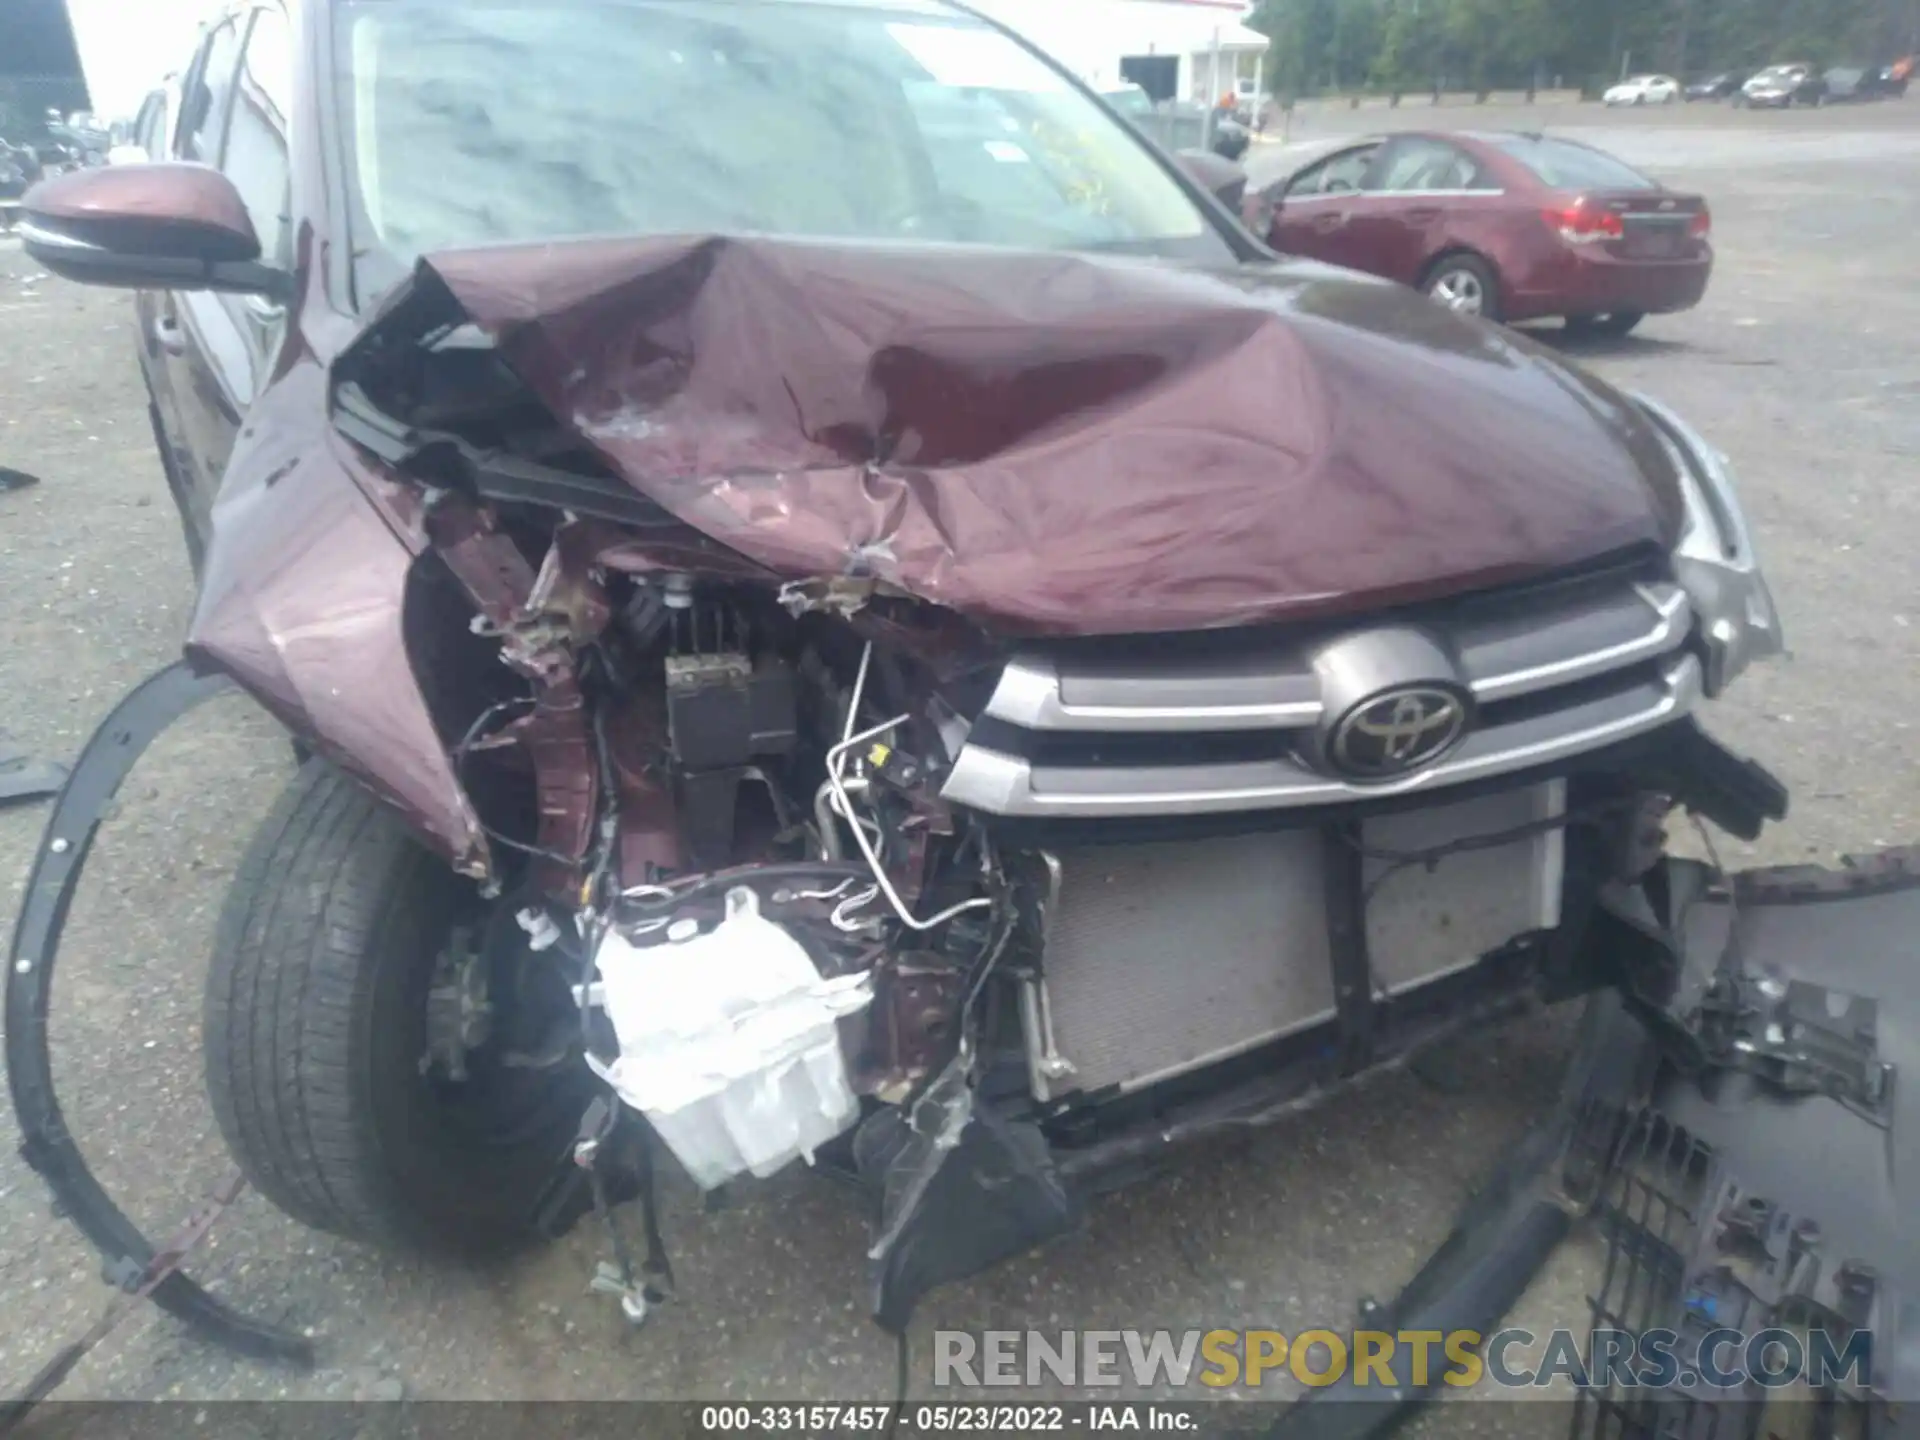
pixel 1310 213
pixel 219 348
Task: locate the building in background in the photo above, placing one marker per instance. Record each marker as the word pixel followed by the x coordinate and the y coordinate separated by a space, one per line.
pixel 39 69
pixel 1189 50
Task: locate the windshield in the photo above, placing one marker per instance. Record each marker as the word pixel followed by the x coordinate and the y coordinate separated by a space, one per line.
pixel 482 121
pixel 1566 165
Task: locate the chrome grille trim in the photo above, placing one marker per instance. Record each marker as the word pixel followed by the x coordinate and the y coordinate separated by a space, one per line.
pixel 1003 784
pixel 1500 657
pixel 1635 626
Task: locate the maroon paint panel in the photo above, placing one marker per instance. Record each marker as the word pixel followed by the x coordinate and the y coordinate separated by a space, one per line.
pixel 166 196
pixel 1057 443
pixel 303 603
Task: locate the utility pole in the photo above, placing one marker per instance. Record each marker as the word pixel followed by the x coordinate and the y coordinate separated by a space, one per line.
pixel 1684 33
pixel 1213 97
pixel 1335 58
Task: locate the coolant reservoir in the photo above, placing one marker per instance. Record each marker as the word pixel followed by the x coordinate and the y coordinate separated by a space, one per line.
pixel 728 1044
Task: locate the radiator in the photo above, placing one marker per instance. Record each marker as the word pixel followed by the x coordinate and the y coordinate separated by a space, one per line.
pixel 1162 958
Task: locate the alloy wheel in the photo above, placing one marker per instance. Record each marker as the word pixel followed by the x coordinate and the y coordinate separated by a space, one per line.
pixel 1460 291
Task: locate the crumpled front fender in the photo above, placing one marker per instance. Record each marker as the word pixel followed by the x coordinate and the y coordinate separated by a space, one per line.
pixel 303 604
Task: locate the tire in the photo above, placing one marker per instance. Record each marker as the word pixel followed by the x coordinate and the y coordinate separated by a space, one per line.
pixel 315 1028
pixel 1613 325
pixel 1470 271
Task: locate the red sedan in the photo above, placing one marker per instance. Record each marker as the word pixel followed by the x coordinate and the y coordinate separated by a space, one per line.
pixel 1509 226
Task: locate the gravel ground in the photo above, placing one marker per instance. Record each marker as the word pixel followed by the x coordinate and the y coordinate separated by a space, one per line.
pixel 1802 364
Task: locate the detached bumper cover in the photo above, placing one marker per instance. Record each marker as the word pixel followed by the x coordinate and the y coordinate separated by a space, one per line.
pixel 1771 1181
pixel 1809 1215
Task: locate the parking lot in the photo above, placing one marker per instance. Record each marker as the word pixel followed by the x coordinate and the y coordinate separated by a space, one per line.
pixel 1803 364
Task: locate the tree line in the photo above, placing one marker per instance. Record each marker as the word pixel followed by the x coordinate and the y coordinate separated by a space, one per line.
pixel 1325 47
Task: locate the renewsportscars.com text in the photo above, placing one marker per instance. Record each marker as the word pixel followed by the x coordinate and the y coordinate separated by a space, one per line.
pixel 1511 1359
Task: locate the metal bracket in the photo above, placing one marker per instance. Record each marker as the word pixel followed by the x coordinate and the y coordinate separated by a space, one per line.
pixel 1803 1038
pixel 1046 1066
pixel 1353 998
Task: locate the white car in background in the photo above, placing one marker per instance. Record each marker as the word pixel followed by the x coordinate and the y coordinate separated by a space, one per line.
pixel 146 134
pixel 1644 90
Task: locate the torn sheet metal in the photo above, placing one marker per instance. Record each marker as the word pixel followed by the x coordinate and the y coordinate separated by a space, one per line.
pixel 1059 442
pixel 47 1146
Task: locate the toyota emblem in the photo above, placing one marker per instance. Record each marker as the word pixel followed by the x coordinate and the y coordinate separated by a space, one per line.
pixel 1398 731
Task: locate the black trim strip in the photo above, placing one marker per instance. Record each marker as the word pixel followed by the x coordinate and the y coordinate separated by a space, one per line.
pixel 1504 1234
pixel 446 458
pixel 1345 879
pixel 47 1145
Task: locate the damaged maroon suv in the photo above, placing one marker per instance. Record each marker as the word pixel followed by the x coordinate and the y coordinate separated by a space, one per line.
pixel 843 609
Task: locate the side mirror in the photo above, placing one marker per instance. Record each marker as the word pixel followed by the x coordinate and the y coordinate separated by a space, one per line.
pixel 1226 181
pixel 148 227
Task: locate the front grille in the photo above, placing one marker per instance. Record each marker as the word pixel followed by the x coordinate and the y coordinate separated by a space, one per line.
pixel 1691 1252
pixel 1080 733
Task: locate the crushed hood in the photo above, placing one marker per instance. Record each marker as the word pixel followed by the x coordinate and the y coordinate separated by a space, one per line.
pixel 1071 444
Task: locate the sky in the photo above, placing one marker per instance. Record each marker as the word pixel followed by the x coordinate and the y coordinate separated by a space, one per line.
pixel 126 46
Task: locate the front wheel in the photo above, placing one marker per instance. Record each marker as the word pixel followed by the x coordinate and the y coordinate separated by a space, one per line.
pixel 1466 285
pixel 1618 323
pixel 367 1035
